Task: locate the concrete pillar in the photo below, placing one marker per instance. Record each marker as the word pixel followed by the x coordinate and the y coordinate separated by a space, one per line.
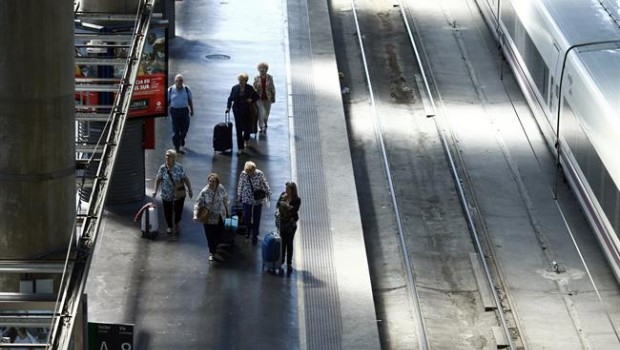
pixel 169 11
pixel 37 132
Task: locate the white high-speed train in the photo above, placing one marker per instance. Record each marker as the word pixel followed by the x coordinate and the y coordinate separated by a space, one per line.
pixel 566 56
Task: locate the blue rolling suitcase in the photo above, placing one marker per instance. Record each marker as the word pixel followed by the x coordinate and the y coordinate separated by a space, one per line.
pixel 272 248
pixel 231 225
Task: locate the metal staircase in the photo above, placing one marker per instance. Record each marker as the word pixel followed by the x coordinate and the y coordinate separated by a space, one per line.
pixel 94 166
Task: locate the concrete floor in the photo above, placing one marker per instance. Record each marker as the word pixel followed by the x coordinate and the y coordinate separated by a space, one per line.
pixel 167 288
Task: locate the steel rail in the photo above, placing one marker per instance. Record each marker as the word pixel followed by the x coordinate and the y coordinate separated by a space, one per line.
pixel 411 280
pixel 442 130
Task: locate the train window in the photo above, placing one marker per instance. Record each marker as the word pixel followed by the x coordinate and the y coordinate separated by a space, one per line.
pixel 508 16
pixel 609 197
pixel 535 65
pixel 616 219
pixel 546 81
pixel 594 171
pixel 573 134
pixel 602 185
pixel 550 95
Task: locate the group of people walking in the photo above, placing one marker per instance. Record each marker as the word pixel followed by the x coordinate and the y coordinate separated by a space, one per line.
pixel 213 205
pixel 251 106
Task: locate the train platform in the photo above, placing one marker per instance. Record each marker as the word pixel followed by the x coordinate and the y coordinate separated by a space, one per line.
pixel 169 291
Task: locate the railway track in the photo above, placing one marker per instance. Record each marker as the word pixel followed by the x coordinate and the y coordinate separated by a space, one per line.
pixel 428 225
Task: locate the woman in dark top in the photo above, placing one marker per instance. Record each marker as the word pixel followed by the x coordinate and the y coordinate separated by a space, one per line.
pixel 287 215
pixel 241 98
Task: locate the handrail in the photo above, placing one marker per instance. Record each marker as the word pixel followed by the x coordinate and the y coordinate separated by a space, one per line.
pixel 75 276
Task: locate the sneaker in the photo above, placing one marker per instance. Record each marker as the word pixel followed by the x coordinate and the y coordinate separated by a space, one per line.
pixel 211 257
pixel 180 151
pixel 240 152
pixel 169 230
pixel 177 229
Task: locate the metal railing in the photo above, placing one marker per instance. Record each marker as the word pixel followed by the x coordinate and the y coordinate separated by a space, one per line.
pixel 60 311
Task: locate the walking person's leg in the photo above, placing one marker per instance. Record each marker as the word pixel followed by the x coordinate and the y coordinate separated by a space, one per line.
pixel 267 109
pixel 178 213
pixel 185 120
pixel 239 127
pixel 289 249
pixel 168 215
pixel 211 234
pixel 247 219
pixel 246 127
pixel 287 231
pixel 176 125
pixel 257 210
pixel 261 113
pixel 283 235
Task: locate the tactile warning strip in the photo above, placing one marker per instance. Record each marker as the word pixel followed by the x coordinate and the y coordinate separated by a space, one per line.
pixel 323 319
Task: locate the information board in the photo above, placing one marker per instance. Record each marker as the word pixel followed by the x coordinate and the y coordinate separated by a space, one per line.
pixel 108 336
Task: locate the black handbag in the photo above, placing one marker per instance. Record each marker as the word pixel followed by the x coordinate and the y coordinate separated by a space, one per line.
pixel 259 194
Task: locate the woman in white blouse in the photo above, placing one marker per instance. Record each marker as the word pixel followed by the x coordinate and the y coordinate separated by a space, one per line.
pixel 213 198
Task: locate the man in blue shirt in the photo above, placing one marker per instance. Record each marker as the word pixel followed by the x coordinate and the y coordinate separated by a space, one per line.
pixel 181 108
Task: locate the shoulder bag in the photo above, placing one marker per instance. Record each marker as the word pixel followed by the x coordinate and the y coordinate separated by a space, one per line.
pixel 204 213
pixel 179 187
pixel 259 194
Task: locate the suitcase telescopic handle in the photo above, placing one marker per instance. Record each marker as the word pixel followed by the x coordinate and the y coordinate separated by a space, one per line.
pixel 227 117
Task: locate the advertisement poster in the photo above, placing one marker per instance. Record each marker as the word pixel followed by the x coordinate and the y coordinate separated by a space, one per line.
pixel 149 93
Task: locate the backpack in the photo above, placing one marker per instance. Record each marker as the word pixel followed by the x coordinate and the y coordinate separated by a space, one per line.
pixel 186 91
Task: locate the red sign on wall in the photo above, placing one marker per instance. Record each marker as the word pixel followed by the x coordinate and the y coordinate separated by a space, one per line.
pixel 149 98
pixel 149 93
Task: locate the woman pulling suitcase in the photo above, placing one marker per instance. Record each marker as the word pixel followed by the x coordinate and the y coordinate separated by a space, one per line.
pixel 287 215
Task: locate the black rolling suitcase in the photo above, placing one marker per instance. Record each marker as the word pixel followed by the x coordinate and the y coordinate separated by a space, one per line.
pixel 253 119
pixel 222 135
pixel 237 210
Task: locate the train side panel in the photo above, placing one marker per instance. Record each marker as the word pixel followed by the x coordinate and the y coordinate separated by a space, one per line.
pixel 589 124
pixel 586 130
